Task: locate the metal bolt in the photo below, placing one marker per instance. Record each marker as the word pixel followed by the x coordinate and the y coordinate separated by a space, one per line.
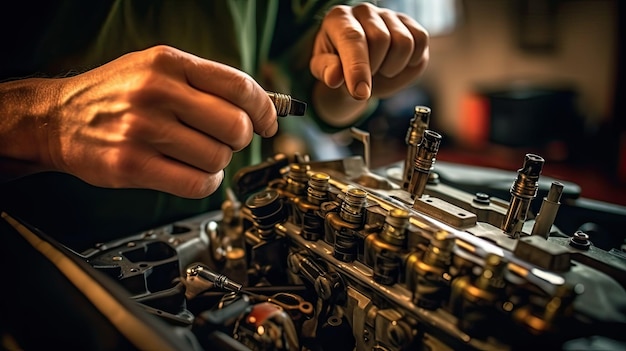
pixel 482 198
pixel 580 240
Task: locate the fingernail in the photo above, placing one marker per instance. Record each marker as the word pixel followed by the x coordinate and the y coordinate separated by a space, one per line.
pixel 362 91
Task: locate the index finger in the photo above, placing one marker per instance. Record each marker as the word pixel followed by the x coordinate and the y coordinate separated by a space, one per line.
pixel 348 38
pixel 236 87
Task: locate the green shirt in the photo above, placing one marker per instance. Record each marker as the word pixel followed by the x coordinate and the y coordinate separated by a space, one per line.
pixel 271 40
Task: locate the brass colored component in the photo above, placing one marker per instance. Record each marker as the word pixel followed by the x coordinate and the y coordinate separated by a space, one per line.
pixel 540 320
pixel 419 123
pixel 394 230
pixel 350 219
pixel 297 178
pixel 479 299
pixel 523 191
pixel 265 210
pixel 427 272
pixel 317 193
pixel 286 105
pixel 423 162
pixel 352 205
pixel 383 250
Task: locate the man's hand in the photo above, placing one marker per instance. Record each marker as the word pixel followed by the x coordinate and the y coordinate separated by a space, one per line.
pixel 160 118
pixel 368 51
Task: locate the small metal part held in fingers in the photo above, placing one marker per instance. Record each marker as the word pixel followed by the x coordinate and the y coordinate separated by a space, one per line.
pixel 286 105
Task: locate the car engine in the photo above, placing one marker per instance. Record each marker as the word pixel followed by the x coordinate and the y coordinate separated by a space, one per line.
pixel 332 255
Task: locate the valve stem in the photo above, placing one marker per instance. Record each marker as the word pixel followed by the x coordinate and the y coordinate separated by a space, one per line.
pixel 548 211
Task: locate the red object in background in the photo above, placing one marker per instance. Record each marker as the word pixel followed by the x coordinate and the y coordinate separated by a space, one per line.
pixel 474 122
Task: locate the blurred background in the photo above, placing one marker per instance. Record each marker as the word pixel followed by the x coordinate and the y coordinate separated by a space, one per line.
pixel 509 77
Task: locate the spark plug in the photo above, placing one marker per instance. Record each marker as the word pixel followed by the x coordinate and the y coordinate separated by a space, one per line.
pixel 286 105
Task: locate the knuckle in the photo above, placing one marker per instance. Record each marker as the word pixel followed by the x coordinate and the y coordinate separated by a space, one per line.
pixel 152 79
pixel 358 66
pixel 402 41
pixel 379 37
pixel 244 84
pixel 420 34
pixel 365 9
pixel 147 87
pixel 366 5
pixel 352 34
pixel 421 37
pixel 339 11
pixel 161 55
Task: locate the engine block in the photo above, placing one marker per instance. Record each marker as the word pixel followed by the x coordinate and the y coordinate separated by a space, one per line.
pixel 315 255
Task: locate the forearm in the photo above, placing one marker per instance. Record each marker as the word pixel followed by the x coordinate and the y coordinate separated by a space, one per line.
pixel 336 107
pixel 24 122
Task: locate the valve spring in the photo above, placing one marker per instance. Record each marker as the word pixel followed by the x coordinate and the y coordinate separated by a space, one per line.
pixel 440 250
pixel 312 226
pixel 297 178
pixel 345 248
pixel 352 205
pixel 317 191
pixel 386 269
pixel 394 229
pixel 429 290
pixel 266 210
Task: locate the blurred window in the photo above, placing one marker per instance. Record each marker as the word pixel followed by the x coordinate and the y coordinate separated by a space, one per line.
pixel 439 17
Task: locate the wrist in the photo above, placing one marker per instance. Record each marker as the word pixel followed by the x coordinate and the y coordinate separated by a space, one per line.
pixel 26 108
